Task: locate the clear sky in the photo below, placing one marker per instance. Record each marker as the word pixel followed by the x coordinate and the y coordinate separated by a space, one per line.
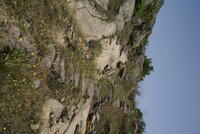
pixel 171 94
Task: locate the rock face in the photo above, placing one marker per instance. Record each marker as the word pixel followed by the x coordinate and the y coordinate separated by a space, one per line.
pixel 90 21
pixel 73 66
pixel 111 54
pixel 103 3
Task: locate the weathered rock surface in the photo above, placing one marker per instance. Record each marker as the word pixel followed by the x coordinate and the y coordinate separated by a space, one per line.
pixel 103 3
pixel 91 21
pixel 73 66
pixel 111 54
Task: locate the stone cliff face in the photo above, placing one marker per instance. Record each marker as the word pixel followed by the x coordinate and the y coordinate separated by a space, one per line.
pixel 73 66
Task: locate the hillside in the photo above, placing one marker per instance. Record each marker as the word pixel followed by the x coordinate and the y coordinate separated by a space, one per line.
pixel 73 66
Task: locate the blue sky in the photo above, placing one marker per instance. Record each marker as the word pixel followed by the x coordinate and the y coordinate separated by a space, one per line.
pixel 171 94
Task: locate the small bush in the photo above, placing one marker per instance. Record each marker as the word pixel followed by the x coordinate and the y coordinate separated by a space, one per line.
pixel 146 12
pixel 147 68
pixel 138 116
pixel 128 133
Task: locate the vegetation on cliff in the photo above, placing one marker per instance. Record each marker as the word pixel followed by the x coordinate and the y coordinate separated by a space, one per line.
pixel 48 58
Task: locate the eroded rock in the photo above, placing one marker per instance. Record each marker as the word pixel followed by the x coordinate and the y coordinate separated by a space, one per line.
pixel 111 54
pixel 85 81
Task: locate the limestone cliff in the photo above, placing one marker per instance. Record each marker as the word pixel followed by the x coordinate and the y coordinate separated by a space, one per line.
pixel 73 66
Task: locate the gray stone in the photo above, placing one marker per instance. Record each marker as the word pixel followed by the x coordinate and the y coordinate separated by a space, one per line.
pixel 20 40
pixel 103 3
pixel 47 61
pixel 87 56
pixel 111 54
pixel 118 103
pixel 56 63
pixel 62 99
pixel 97 116
pixel 76 79
pixel 119 21
pixel 36 83
pixel 93 119
pixel 52 115
pixel 62 70
pixel 125 108
pixel 126 10
pixel 91 21
pixel 35 127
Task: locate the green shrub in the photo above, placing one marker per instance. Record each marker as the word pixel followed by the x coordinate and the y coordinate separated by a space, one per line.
pixel 138 116
pixel 14 65
pixel 147 68
pixel 128 133
pixel 139 8
pixel 146 12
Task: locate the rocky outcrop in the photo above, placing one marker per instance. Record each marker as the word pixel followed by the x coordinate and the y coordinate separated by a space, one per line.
pixel 90 21
pixel 111 54
pixel 103 3
pixel 73 66
pixel 125 13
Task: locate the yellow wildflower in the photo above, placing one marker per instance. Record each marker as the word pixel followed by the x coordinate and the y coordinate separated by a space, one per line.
pixel 24 80
pixel 4 128
pixel 33 53
pixel 20 39
pixel 34 66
